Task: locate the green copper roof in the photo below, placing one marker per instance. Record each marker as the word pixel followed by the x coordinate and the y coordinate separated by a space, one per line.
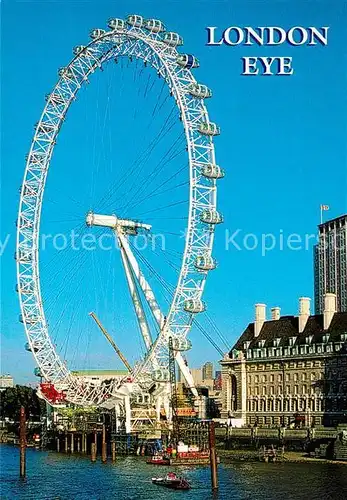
pixel 96 373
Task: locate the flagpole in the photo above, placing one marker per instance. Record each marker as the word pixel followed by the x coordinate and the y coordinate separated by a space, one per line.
pixel 321 214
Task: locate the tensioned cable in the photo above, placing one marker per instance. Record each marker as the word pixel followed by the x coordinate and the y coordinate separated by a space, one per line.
pixel 136 160
pixel 217 330
pixel 160 165
pixel 152 193
pixel 135 165
pixel 208 337
pixel 163 208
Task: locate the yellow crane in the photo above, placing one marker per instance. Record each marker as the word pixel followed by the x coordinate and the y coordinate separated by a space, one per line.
pixel 111 341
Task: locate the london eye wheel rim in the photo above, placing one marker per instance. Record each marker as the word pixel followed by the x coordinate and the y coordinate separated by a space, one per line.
pixel 150 47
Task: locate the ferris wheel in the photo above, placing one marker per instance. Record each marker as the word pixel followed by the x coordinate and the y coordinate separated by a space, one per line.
pixel 145 40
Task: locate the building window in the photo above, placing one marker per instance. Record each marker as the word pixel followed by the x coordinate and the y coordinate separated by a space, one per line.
pixel 304 389
pixel 279 378
pixel 272 378
pixel 303 377
pixel 256 379
pixel 263 379
pixel 287 377
pixel 288 389
pixel 296 389
pixel 264 390
pixel 295 377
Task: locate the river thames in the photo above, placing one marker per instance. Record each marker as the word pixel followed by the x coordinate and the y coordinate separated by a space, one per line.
pixel 58 476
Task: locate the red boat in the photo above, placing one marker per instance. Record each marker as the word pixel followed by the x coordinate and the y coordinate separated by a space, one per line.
pixel 172 481
pixel 158 460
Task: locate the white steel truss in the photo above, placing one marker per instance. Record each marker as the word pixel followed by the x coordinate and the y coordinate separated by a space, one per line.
pixel 132 42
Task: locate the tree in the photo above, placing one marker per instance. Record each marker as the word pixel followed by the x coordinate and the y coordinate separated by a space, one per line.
pixel 12 398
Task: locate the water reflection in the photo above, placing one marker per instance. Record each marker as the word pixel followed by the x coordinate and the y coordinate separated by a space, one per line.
pixel 63 477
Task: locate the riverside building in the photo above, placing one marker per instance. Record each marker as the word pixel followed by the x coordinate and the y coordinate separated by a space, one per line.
pixel 289 368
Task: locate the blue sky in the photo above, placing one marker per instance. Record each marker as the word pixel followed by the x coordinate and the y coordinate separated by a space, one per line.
pixel 283 145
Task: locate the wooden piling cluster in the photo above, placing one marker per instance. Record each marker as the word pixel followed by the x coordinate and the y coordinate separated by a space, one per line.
pixel 88 443
pixel 22 443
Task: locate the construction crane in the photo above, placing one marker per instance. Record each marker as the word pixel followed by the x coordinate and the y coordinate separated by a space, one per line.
pixel 174 398
pixel 111 341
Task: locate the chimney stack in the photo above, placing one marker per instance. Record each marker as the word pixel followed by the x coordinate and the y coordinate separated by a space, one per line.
pixel 275 313
pixel 329 309
pixel 304 312
pixel 260 318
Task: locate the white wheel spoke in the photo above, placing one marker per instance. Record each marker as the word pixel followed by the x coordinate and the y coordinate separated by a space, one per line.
pixel 134 41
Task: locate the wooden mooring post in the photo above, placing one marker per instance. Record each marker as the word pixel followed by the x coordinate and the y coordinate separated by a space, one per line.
pixel 72 446
pixel 113 450
pixel 78 444
pixel 84 443
pixel 213 456
pixel 22 442
pixel 93 452
pixel 58 443
pixel 103 445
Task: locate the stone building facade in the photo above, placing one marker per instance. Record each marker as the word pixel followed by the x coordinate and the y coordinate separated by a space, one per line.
pixel 289 368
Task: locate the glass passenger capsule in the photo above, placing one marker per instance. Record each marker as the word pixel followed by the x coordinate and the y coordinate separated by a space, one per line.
pixel 208 128
pixel 187 61
pixel 25 223
pixel 116 24
pixel 28 319
pixel 96 33
pixel 65 72
pixel 199 91
pixel 25 288
pixel 23 255
pixel 135 20
pixel 77 50
pixel 194 306
pixel 55 98
pixel 30 191
pixel 205 263
pixel 181 344
pixel 154 25
pixel 173 39
pixel 161 375
pixel 28 348
pixel 212 171
pixel 38 372
pixel 211 217
pixel 45 127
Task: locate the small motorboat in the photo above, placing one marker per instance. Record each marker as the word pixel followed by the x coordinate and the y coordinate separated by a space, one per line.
pixel 172 481
pixel 159 460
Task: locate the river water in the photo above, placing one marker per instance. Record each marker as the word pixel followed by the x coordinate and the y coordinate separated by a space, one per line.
pixel 56 476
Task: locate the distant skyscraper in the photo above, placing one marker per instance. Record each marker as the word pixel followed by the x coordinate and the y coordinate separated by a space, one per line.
pixel 197 375
pixel 5 382
pixel 207 371
pixel 330 263
pixel 218 381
